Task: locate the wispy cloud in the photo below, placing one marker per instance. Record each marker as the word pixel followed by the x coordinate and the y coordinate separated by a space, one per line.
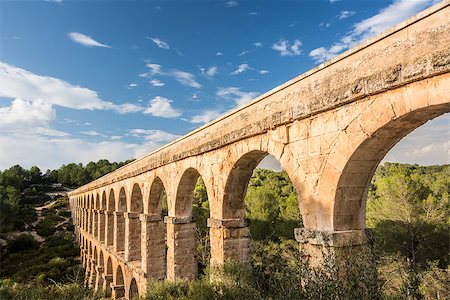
pixel 263 72
pixel 161 107
pixel 209 72
pixel 160 43
pixel 156 82
pixel 286 48
pixel 185 78
pixel 205 116
pixel 258 44
pixel 231 3
pixel 389 16
pixel 240 69
pixel 253 13
pixel 219 54
pixel 132 85
pixel 235 94
pixel 85 40
pixel 153 135
pixel 92 133
pixel 346 14
pixel 244 52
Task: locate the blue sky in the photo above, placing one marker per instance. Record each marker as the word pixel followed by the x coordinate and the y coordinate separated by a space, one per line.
pixel 84 80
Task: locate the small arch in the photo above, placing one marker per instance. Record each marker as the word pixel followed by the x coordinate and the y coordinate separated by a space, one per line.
pixel 133 291
pixel 233 206
pixel 155 199
pixel 122 201
pixel 134 224
pixel 119 237
pixel 103 201
pixel 184 198
pixel 119 276
pixel 111 201
pixel 97 202
pixel 108 277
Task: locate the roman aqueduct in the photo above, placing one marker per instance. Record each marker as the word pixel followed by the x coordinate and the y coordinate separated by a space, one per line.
pixel 329 128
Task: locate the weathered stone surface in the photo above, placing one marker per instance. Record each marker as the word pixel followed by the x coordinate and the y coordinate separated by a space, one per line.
pixel 329 128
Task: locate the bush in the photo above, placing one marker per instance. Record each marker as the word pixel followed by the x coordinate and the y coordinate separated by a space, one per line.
pixel 23 242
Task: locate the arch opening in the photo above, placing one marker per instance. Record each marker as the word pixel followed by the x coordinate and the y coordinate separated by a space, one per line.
pixel 133 291
pixel 133 251
pixel 109 219
pixel 119 239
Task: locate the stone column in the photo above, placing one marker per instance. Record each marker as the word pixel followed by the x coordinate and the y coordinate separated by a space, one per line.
pixel 132 236
pixel 99 278
pixel 109 228
pixel 101 226
pixel 230 240
pixel 95 223
pixel 87 273
pixel 107 281
pixel 118 291
pixel 342 259
pixel 119 232
pixel 153 246
pixel 181 252
pixel 93 273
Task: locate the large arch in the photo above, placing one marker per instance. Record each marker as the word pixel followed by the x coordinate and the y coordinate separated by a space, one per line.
pixel 359 149
pixel 133 225
pixel 185 190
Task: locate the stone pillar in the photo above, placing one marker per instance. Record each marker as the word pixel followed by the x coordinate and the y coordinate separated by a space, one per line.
pixel 95 223
pixel 181 252
pixel 118 291
pixel 342 259
pixel 99 278
pixel 93 273
pixel 230 240
pixel 132 236
pixel 107 281
pixel 109 228
pixel 153 246
pixel 119 232
pixel 87 273
pixel 101 226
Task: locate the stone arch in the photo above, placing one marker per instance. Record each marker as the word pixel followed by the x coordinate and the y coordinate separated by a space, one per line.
pixel 103 201
pixel 362 145
pixel 96 212
pixel 155 197
pixel 108 277
pixel 119 221
pixel 93 266
pixel 91 214
pixel 133 291
pixel 133 250
pixel 119 285
pixel 233 206
pixel 184 197
pixel 111 201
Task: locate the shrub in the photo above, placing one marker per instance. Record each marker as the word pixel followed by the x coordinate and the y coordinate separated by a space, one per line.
pixel 23 242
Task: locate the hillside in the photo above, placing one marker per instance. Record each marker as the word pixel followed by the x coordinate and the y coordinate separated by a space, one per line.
pixel 407 210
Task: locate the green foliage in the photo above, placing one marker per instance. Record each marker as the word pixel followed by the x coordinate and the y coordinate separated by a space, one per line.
pixel 408 210
pixel 271 203
pixel 23 242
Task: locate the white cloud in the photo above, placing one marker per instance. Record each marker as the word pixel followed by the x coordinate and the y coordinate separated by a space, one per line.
pixel 92 133
pixel 24 113
pixel 185 78
pixel 156 82
pixel 160 43
pixel 44 91
pixel 219 54
pixel 116 137
pixel 253 13
pixel 240 69
pixel 286 49
pixel 161 107
pixel 85 40
pixel 154 135
pixel 258 44
pixel 334 1
pixel 244 52
pixel 210 72
pixel 263 72
pixel 127 108
pixel 389 16
pixel 54 1
pixel 132 85
pixel 205 117
pixel 345 14
pixel 155 68
pixel 231 3
pixel 235 94
pixel 51 132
